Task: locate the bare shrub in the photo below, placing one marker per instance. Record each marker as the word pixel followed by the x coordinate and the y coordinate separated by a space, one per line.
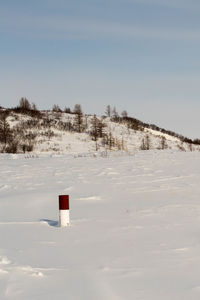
pixel 163 143
pixel 145 145
pixel 12 147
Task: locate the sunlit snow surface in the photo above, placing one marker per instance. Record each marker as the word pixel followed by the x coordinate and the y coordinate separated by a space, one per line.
pixel 134 234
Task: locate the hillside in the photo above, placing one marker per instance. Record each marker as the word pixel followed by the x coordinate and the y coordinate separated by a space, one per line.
pixel 60 132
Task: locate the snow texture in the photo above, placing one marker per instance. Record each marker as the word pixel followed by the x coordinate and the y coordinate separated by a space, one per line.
pixel 134 233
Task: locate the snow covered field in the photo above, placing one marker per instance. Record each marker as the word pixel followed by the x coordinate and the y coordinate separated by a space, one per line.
pixel 134 234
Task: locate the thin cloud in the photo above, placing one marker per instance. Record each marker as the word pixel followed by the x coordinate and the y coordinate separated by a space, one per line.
pixel 68 28
pixel 181 4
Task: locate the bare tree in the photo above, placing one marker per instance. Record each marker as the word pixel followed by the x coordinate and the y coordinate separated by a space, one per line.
pixel 101 127
pixel 163 143
pixel 108 111
pixel 115 114
pixel 147 140
pixel 108 140
pixel 94 131
pixel 78 109
pixel 111 141
pixel 124 114
pixel 97 128
pixel 56 108
pixel 5 131
pixel 79 117
pixel 24 104
pixel 34 107
pixel 67 110
pixel 145 145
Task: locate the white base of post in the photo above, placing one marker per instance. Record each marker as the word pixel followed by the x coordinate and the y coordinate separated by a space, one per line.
pixel 64 218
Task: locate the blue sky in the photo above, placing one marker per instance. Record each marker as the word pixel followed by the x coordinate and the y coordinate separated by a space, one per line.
pixel 138 55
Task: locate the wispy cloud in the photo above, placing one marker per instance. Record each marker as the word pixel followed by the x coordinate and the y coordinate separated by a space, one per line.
pixel 68 27
pixel 181 4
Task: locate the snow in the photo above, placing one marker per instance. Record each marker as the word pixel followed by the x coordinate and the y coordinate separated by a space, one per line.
pixel 134 233
pixel 160 134
pixel 71 142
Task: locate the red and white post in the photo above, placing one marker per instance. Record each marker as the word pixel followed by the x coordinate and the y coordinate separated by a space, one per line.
pixel 64 219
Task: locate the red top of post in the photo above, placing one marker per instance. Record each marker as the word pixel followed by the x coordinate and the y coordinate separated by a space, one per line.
pixel 63 202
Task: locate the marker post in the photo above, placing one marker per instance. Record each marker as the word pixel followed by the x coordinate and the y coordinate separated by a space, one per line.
pixel 64 219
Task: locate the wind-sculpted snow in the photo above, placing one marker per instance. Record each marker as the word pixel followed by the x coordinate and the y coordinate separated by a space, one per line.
pixel 134 234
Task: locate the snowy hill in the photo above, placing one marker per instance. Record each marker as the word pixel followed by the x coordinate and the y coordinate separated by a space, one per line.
pixel 59 132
